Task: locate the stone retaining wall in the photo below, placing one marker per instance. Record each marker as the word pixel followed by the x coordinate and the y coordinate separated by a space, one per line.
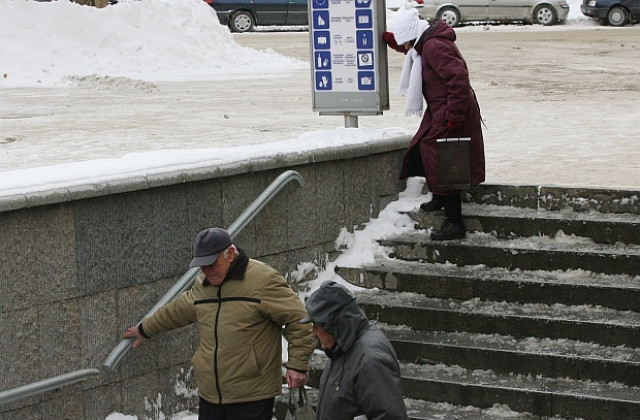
pixel 78 266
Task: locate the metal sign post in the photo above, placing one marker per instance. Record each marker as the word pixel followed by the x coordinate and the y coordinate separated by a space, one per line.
pixel 349 59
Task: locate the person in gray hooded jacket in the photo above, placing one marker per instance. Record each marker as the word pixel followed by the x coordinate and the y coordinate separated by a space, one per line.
pixel 362 376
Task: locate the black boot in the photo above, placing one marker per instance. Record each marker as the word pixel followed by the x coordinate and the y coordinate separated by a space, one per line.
pixel 449 230
pixel 436 203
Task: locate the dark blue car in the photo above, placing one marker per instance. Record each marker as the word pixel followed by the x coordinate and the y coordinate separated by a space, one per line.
pixel 612 12
pixel 244 15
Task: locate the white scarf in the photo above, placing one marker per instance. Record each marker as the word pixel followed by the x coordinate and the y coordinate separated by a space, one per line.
pixel 411 78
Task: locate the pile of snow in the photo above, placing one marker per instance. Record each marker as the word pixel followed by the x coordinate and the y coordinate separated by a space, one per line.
pixel 151 40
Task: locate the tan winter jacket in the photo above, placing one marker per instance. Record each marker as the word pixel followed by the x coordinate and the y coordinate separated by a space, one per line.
pixel 239 358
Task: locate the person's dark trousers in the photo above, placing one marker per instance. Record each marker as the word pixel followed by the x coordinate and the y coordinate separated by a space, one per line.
pixel 252 410
pixel 453 207
pixel 452 227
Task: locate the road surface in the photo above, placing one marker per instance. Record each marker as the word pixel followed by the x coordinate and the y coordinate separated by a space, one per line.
pixel 561 106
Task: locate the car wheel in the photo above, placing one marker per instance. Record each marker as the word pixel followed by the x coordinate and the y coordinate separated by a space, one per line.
pixel 544 15
pixel 241 21
pixel 450 16
pixel 617 16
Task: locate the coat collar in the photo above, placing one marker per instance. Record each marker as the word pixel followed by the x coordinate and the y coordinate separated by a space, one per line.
pixel 236 270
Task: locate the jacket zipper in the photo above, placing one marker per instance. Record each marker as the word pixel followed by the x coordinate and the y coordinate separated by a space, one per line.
pixel 215 355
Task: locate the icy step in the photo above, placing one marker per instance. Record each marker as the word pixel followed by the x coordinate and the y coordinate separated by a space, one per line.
pixel 529 355
pixel 583 323
pixel 571 287
pixel 536 253
pixel 505 221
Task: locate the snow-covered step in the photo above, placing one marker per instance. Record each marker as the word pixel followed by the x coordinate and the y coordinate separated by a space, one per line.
pixel 586 200
pixel 536 310
pixel 586 323
pixel 558 358
pixel 535 253
pixel 539 395
pixel 571 287
pixel 427 410
pixel 489 394
pixel 505 221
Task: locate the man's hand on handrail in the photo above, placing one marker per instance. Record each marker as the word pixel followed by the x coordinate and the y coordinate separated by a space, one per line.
pixel 134 332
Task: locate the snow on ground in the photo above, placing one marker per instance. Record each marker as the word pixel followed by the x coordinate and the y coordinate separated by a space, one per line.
pixel 143 41
pixel 136 43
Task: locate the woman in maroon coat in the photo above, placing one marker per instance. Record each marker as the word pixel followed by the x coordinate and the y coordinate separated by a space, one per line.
pixel 452 111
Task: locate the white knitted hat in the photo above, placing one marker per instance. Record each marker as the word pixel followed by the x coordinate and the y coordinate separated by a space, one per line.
pixel 406 26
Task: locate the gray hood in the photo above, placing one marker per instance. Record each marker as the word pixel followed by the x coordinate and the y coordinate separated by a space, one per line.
pixel 333 307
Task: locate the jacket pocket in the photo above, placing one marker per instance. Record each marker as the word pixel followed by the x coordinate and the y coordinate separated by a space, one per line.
pixel 248 365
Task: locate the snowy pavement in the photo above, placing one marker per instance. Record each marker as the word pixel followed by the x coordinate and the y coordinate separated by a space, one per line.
pixel 560 104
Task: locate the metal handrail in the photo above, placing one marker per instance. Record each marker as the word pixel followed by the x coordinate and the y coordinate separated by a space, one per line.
pixel 186 281
pixel 50 384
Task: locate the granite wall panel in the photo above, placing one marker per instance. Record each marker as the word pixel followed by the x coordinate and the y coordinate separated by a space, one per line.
pixel 76 273
pixel 38 256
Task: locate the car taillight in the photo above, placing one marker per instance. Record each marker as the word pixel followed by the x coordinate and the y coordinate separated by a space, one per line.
pixel 419 1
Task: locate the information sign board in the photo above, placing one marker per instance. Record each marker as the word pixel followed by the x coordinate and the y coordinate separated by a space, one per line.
pixel 348 57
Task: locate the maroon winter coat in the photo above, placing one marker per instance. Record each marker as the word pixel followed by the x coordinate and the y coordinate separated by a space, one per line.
pixel 447 90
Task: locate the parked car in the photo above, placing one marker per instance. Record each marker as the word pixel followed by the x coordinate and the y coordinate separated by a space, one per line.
pixel 543 12
pixel 244 15
pixel 612 12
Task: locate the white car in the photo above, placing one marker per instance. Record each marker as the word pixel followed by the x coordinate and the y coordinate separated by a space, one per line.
pixel 543 12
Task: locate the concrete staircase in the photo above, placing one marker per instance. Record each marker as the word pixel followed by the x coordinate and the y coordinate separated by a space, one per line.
pixel 538 309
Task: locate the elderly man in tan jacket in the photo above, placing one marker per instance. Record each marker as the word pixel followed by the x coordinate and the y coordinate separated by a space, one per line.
pixel 240 305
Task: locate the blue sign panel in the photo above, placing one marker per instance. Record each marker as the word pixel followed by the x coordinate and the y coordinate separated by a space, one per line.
pixel 366 80
pixel 323 80
pixel 321 19
pixel 321 40
pixel 321 4
pixel 322 60
pixel 364 19
pixel 364 39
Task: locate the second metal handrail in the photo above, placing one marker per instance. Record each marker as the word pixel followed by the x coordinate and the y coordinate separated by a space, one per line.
pixel 50 384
